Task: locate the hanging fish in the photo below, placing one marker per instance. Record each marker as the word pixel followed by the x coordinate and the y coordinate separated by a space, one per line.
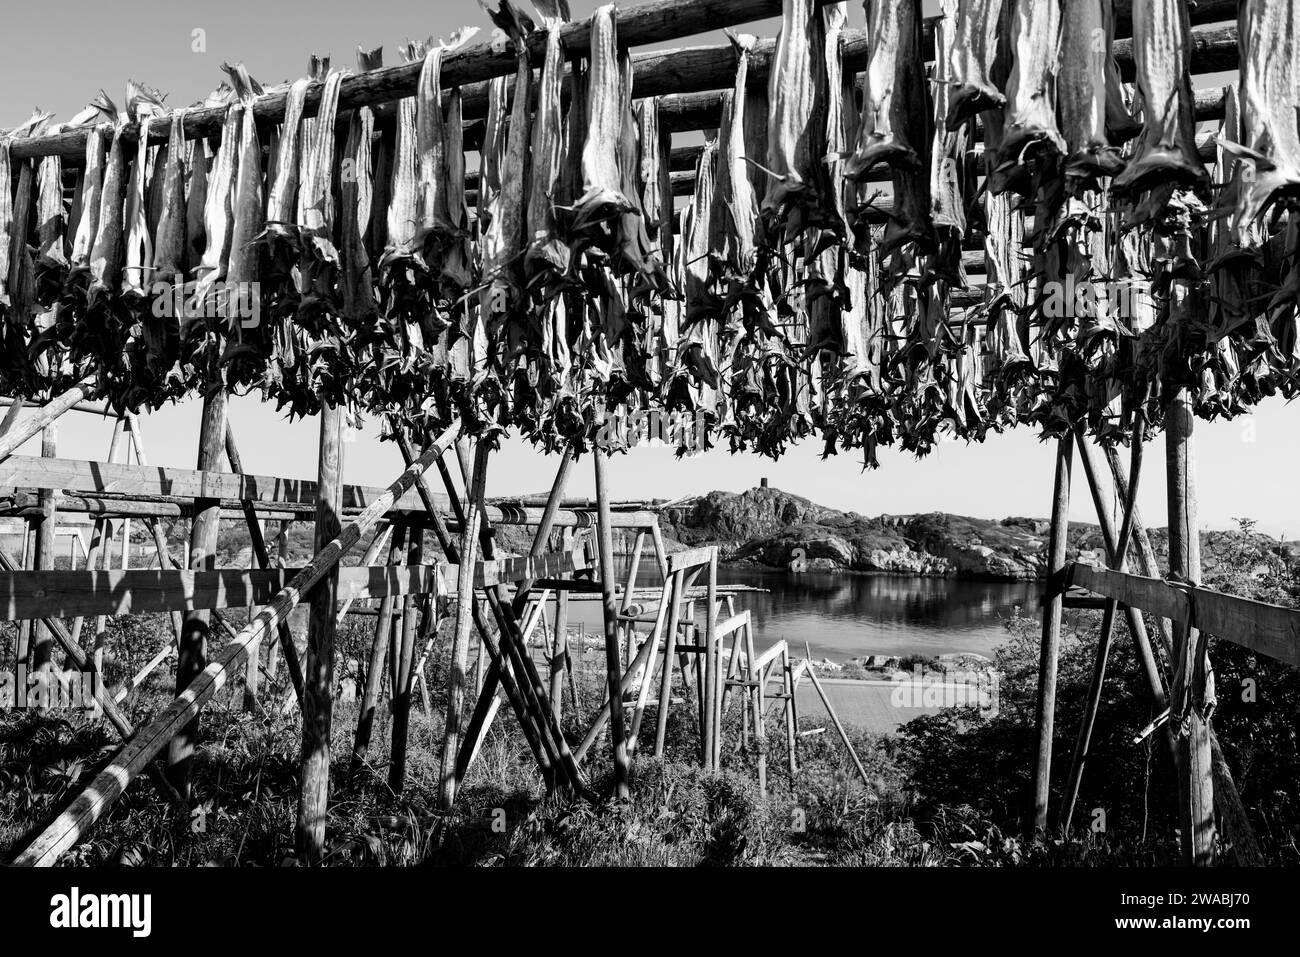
pixel 546 252
pixel 1087 35
pixel 981 25
pixel 894 107
pixel 1030 127
pixel 169 245
pixel 1269 156
pixel 602 199
pixel 1166 150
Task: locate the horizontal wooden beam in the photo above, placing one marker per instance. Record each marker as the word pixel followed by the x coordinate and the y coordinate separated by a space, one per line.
pixel 1269 629
pixel 173 487
pixel 691 558
pixel 67 594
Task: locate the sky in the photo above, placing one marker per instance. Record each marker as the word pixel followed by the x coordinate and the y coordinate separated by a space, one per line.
pixel 57 57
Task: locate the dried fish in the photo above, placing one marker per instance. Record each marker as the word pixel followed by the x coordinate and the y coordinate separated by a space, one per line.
pixel 403 201
pixel 282 195
pixel 980 27
pixel 947 156
pixel 1166 150
pixel 1030 126
pixel 6 220
pixel 1087 35
pixel 138 254
pixel 797 101
pixel 315 193
pixel 894 105
pixel 358 290
pixel 169 242
pixel 602 198
pixel 248 218
pixel 92 183
pixel 738 214
pixel 545 250
pixel 105 254
pixel 1269 164
pixel 196 201
pixel 457 266
pixel 50 221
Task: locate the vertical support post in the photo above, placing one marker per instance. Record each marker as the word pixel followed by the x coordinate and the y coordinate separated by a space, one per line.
pixel 560 652
pixel 674 593
pixel 378 659
pixel 612 670
pixel 192 651
pixel 469 534
pixel 318 671
pixel 405 655
pixel 1051 641
pixel 1187 697
pixel 634 565
pixel 712 661
pixel 43 529
pixel 756 695
pixel 791 714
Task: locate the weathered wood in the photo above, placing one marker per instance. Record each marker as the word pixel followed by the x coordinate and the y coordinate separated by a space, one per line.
pixel 1117 550
pixel 262 555
pixel 647 674
pixel 42 532
pixel 21 431
pixel 378 655
pixel 1051 639
pixel 415 613
pixel 458 678
pixel 712 663
pixel 1187 695
pixel 691 558
pixel 677 581
pixel 618 739
pixel 159 485
pixel 192 650
pixel 318 669
pixel 91 804
pixel 835 720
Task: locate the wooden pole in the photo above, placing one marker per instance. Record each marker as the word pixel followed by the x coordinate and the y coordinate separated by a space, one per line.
pixel 378 657
pixel 257 541
pixel 756 699
pixel 612 672
pixel 192 654
pixel 560 652
pixel 43 529
pixel 464 622
pixel 1117 549
pixel 712 661
pixel 1051 641
pixel 791 715
pixel 674 591
pixel 402 691
pixel 108 785
pixel 318 674
pixel 1189 694
pixel 46 414
pixel 835 720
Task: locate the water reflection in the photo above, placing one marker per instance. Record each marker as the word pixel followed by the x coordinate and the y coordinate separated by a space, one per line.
pixel 844 616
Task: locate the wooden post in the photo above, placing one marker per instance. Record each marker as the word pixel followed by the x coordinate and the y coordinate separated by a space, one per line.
pixel 560 652
pixel 43 529
pixel 257 541
pixel 405 672
pixel 1051 641
pixel 634 565
pixel 378 658
pixel 756 699
pixel 674 592
pixel 464 622
pixel 712 660
pixel 791 714
pixel 1187 698
pixel 318 673
pixel 835 720
pixel 192 653
pixel 98 548
pixel 612 671
pixel 1117 550
pixel 20 432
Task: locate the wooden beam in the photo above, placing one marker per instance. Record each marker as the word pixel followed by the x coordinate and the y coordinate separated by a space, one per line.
pixel 1051 637
pixel 92 803
pixel 21 431
pixel 613 678
pixel 318 668
pixel 378 655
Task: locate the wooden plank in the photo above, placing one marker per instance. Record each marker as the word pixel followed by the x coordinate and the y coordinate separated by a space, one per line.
pixel 62 593
pixel 93 802
pixel 167 483
pixel 680 561
pixel 1268 629
pixel 20 432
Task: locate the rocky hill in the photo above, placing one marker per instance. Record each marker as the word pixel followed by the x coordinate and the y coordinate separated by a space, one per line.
pixel 767 526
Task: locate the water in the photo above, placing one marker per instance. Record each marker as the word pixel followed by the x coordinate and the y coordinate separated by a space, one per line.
pixel 845 616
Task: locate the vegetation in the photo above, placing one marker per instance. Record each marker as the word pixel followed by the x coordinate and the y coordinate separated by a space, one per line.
pixel 950 789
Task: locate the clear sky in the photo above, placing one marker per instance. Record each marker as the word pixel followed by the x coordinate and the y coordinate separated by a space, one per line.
pixel 57 56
